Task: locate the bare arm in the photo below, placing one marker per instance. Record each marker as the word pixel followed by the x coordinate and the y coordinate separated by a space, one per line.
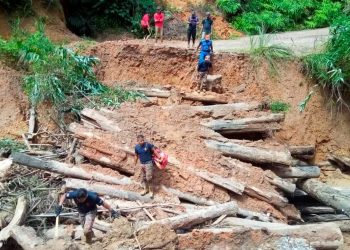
pixel 62 199
pixel 136 159
pixel 107 206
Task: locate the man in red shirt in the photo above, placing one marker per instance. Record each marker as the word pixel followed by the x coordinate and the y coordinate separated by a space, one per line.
pixel 159 23
pixel 146 27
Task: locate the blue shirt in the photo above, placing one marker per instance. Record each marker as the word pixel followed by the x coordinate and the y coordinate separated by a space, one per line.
pixel 207 23
pixel 206 45
pixel 144 152
pixel 89 204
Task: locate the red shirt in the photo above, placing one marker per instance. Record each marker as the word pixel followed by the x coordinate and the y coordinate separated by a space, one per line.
pixel 159 19
pixel 145 21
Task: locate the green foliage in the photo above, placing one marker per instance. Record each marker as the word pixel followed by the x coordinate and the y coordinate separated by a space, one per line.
pixel 55 73
pixel 281 15
pixel 229 7
pixel 303 103
pixel 278 106
pixel 11 145
pixel 18 5
pixel 113 97
pixel 262 49
pixel 331 68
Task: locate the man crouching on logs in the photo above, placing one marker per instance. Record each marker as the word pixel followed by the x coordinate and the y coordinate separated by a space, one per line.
pixel 144 151
pixel 87 207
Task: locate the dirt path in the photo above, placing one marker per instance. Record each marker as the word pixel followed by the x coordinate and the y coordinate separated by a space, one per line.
pixel 301 42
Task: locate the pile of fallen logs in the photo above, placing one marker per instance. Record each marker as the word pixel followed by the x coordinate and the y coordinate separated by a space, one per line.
pixel 111 173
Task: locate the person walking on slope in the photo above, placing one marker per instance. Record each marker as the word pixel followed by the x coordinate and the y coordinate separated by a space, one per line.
pixel 206 46
pixel 144 151
pixel 146 27
pixel 192 28
pixel 203 70
pixel 159 24
pixel 86 202
pixel 207 25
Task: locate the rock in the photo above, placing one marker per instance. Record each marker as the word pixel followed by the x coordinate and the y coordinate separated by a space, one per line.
pixel 122 245
pixel 240 88
pixel 214 83
pixel 157 237
pixel 286 243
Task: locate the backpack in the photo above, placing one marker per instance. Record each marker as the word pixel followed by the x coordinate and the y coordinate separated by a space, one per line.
pixel 160 163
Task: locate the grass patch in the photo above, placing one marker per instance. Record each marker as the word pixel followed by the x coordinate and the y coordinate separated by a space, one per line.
pixel 11 145
pixel 278 106
pixel 262 49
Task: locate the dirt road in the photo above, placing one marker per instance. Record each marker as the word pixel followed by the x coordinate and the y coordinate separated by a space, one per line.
pixel 301 42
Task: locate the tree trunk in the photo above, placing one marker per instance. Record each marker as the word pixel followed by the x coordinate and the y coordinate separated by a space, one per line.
pixel 188 220
pixel 246 125
pixel 326 195
pixel 106 190
pixel 31 123
pixel 101 121
pixel 325 217
pixel 189 197
pixel 67 170
pixel 26 237
pixel 251 215
pixel 17 220
pixel 284 185
pixel 222 110
pixel 343 162
pixel 269 197
pixel 251 154
pixel 302 152
pixel 320 236
pixel 317 210
pixel 298 172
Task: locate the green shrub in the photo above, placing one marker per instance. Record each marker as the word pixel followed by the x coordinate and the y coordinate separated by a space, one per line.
pixel 331 68
pixel 229 7
pixel 278 106
pixel 11 145
pixel 56 74
pixel 327 12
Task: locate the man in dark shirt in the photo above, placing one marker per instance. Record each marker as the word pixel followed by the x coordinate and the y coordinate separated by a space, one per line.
pixel 192 28
pixel 144 151
pixel 207 25
pixel 203 70
pixel 86 202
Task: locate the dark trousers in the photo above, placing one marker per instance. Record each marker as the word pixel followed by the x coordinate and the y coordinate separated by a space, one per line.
pixel 191 33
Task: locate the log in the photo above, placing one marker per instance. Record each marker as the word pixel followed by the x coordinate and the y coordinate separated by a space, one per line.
pixel 17 220
pixel 343 162
pixel 231 185
pixel 320 236
pixel 188 220
pixel 189 197
pixel 5 166
pixel 97 118
pixel 153 92
pixel 325 217
pixel 284 185
pixel 246 125
pixel 317 210
pixel 31 123
pixel 269 197
pixel 298 172
pixel 255 215
pixel 222 110
pixel 67 169
pixel 326 194
pixel 251 154
pixel 106 190
pixel 26 237
pixel 303 152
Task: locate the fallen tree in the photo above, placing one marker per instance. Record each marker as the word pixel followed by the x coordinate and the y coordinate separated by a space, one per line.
pixel 284 185
pixel 67 170
pixel 26 237
pixel 189 197
pixel 99 120
pixel 269 197
pixel 106 190
pixel 251 154
pixel 326 194
pixel 343 162
pixel 188 220
pixel 325 217
pixel 317 210
pixel 298 172
pixel 302 152
pixel 246 125
pixel 320 236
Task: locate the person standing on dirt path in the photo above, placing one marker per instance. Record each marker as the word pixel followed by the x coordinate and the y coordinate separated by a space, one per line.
pixel 203 70
pixel 159 24
pixel 193 21
pixel 206 46
pixel 207 25
pixel 86 202
pixel 144 151
pixel 146 27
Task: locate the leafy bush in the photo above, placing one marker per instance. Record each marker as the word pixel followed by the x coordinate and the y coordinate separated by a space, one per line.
pixel 278 106
pixel 11 145
pixel 280 15
pixel 331 68
pixel 55 73
pixel 261 49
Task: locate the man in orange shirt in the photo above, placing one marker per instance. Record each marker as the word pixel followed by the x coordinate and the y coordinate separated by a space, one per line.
pixel 159 23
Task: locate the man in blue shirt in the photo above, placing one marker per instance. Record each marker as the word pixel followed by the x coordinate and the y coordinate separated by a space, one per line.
pixel 86 202
pixel 144 151
pixel 207 25
pixel 206 46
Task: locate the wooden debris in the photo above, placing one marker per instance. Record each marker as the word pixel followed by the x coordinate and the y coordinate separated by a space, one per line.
pixel 284 185
pixel 343 162
pixel 31 123
pixel 325 217
pixel 326 194
pixel 298 172
pixel 26 237
pixel 251 154
pixel 101 121
pixel 67 170
pixel 5 166
pixel 189 197
pixel 269 197
pixel 317 210
pixel 302 152
pixel 146 211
